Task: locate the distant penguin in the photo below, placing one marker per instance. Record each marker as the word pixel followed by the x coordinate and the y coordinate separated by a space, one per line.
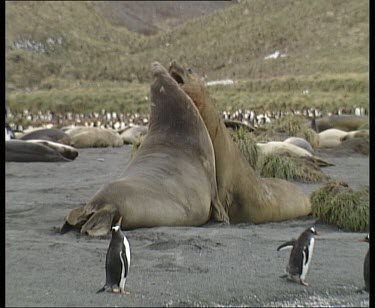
pixel 9 134
pixel 117 261
pixel 366 266
pixel 300 256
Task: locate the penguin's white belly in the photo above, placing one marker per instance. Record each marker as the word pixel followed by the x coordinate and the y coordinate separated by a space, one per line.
pixel 122 256
pixel 305 265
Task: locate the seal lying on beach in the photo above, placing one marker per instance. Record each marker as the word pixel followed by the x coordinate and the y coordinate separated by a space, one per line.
pixel 50 134
pixel 38 151
pixel 133 134
pixel 344 122
pixel 334 137
pixel 300 142
pixel 245 197
pixel 94 137
pixel 171 180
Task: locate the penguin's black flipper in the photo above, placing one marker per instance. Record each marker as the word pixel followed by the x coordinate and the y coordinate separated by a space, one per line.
pixel 289 244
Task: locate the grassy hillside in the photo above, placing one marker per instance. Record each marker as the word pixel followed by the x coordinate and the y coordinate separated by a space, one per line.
pixel 318 37
pixel 71 56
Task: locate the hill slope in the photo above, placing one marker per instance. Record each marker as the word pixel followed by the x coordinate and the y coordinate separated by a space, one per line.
pixel 58 47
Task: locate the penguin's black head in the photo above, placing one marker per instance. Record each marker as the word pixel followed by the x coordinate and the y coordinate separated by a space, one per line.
pixel 117 226
pixel 313 231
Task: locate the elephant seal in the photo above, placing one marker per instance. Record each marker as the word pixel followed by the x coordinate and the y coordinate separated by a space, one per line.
pixel 281 147
pixel 171 179
pixel 343 122
pixel 134 133
pixel 65 150
pixel 245 197
pixel 93 137
pixel 300 142
pixel 26 151
pixel 356 134
pixel 50 134
pixel 331 137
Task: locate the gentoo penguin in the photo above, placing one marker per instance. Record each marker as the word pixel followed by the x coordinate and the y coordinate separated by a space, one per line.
pixel 117 261
pixel 300 256
pixel 366 266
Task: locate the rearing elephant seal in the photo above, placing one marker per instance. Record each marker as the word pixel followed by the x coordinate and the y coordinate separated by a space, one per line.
pixel 245 197
pixel 170 181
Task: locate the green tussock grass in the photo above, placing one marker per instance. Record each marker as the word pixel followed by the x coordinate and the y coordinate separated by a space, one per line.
pixel 337 204
pixel 247 145
pixel 290 168
pixel 83 98
pixel 288 126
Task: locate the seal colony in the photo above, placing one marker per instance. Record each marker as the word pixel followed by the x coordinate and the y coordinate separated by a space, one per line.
pixel 187 170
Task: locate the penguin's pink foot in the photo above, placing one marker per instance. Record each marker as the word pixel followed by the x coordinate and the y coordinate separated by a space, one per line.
pixel 303 283
pixel 125 292
pixel 116 290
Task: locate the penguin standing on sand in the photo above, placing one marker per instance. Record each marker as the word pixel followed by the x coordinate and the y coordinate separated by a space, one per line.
pixel 117 261
pixel 366 266
pixel 300 256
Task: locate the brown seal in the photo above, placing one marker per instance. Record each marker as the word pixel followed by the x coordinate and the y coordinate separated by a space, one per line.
pixel 245 197
pixel 49 134
pixel 171 179
pixel 38 151
pixel 346 123
pixel 94 137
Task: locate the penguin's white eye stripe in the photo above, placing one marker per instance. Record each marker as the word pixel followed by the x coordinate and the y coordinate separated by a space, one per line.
pixel 312 229
pixel 116 228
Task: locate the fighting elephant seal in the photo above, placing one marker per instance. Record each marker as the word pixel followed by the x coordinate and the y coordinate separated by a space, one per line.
pixel 171 179
pixel 245 197
pixel 93 137
pixel 49 134
pixel 27 151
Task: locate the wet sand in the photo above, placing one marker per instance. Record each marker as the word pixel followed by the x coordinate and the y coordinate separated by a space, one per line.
pixel 214 265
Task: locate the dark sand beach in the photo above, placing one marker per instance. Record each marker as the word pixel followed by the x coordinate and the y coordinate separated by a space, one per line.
pixel 214 265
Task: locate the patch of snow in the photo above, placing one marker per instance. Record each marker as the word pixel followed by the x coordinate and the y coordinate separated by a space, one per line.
pixel 275 55
pixel 217 82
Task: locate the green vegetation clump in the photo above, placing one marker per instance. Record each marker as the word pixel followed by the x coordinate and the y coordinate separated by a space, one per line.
pixel 290 124
pixel 336 203
pixel 290 168
pixel 303 169
pixel 246 144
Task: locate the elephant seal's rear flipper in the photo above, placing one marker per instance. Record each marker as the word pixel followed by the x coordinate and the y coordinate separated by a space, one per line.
pixel 101 221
